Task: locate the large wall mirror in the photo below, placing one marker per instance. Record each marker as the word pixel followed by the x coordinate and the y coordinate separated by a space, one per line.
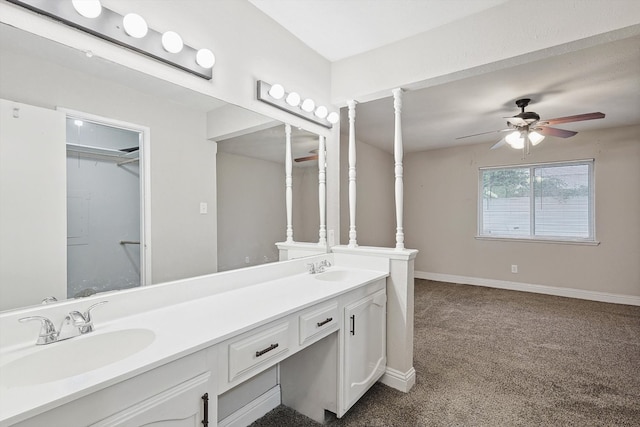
pixel 182 240
pixel 253 165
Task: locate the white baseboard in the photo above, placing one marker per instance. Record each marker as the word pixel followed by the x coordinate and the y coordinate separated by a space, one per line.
pixel 527 287
pixel 254 409
pixel 402 381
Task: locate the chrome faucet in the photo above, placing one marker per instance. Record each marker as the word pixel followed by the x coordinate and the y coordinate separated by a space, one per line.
pixel 318 267
pixel 47 333
pixel 81 322
pixel 324 263
pixel 88 321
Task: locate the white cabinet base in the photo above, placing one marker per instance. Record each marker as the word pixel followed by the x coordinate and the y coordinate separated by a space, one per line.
pixel 309 379
pixel 365 347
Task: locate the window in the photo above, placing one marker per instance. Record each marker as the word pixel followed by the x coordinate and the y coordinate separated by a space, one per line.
pixel 551 201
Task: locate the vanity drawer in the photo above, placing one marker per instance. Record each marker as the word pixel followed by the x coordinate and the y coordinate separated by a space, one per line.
pixel 317 323
pixel 257 349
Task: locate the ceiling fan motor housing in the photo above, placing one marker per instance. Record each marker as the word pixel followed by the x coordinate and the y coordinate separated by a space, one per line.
pixel 529 116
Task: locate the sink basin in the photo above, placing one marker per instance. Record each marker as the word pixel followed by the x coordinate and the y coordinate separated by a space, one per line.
pixel 334 275
pixel 75 356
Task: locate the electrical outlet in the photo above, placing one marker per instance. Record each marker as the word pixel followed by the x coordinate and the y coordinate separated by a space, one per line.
pixel 204 207
pixel 514 268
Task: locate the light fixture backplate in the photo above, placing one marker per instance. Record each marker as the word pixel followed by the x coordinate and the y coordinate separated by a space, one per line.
pixel 263 95
pixel 108 26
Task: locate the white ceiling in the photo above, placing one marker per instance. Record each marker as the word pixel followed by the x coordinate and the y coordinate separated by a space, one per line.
pixel 337 29
pixel 268 144
pixel 604 78
pixel 564 85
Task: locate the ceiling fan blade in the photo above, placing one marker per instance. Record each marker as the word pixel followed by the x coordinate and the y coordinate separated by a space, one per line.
pixel 561 133
pixel 484 133
pixel 499 144
pixel 306 159
pixel 576 118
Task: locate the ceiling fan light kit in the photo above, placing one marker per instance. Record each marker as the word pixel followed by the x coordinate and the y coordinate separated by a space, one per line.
pixel 526 129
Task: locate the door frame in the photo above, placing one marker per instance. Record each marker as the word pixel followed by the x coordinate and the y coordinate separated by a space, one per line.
pixel 145 182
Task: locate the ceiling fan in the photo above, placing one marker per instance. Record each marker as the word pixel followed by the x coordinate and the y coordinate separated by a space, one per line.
pixel 314 156
pixel 527 129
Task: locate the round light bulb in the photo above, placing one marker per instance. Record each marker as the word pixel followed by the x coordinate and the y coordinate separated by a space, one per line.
pixel 276 91
pixel 515 140
pixel 87 8
pixel 308 105
pixel 172 42
pixel 333 118
pixel 535 138
pixel 205 58
pixel 135 25
pixel 321 112
pixel 293 99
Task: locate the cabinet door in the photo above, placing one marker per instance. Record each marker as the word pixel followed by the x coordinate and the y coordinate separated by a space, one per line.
pixel 365 346
pixel 180 406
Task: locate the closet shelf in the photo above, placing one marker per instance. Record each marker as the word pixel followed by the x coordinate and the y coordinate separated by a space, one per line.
pixel 103 152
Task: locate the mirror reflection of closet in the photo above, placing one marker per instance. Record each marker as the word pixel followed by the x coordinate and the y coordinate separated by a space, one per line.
pixel 103 207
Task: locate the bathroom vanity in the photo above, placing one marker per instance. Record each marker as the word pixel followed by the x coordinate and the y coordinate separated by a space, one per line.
pixel 166 364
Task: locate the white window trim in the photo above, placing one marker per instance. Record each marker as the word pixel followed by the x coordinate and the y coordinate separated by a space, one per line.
pixel 590 241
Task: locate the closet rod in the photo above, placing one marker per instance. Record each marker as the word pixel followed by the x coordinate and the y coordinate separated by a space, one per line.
pixel 128 161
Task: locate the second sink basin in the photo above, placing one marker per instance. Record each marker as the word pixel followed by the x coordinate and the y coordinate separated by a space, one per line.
pixel 53 362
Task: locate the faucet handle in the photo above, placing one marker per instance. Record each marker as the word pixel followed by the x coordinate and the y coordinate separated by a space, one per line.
pixel 48 332
pixel 88 326
pixel 76 318
pixel 87 314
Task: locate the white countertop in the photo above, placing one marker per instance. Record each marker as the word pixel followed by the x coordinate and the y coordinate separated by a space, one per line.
pixel 180 329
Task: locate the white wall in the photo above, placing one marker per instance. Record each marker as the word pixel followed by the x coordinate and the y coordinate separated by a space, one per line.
pixel 441 193
pixel 251 210
pixel 306 214
pixel 375 197
pixel 33 222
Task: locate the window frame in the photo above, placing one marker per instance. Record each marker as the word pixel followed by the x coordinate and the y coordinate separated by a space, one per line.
pixel 590 240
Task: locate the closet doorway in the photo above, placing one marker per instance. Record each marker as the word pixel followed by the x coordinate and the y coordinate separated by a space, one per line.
pixel 107 206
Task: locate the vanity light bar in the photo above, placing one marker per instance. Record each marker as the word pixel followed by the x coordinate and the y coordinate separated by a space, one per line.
pixel 109 26
pixel 276 96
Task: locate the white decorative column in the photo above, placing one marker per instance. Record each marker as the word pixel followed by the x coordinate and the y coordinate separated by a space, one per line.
pixel 322 190
pixel 352 173
pixel 397 153
pixel 288 167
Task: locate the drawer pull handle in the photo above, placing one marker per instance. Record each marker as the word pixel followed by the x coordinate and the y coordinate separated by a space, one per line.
pixel 324 322
pixel 205 399
pixel 353 324
pixel 266 350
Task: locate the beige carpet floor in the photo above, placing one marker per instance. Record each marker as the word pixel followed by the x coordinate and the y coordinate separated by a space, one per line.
pixel 492 357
